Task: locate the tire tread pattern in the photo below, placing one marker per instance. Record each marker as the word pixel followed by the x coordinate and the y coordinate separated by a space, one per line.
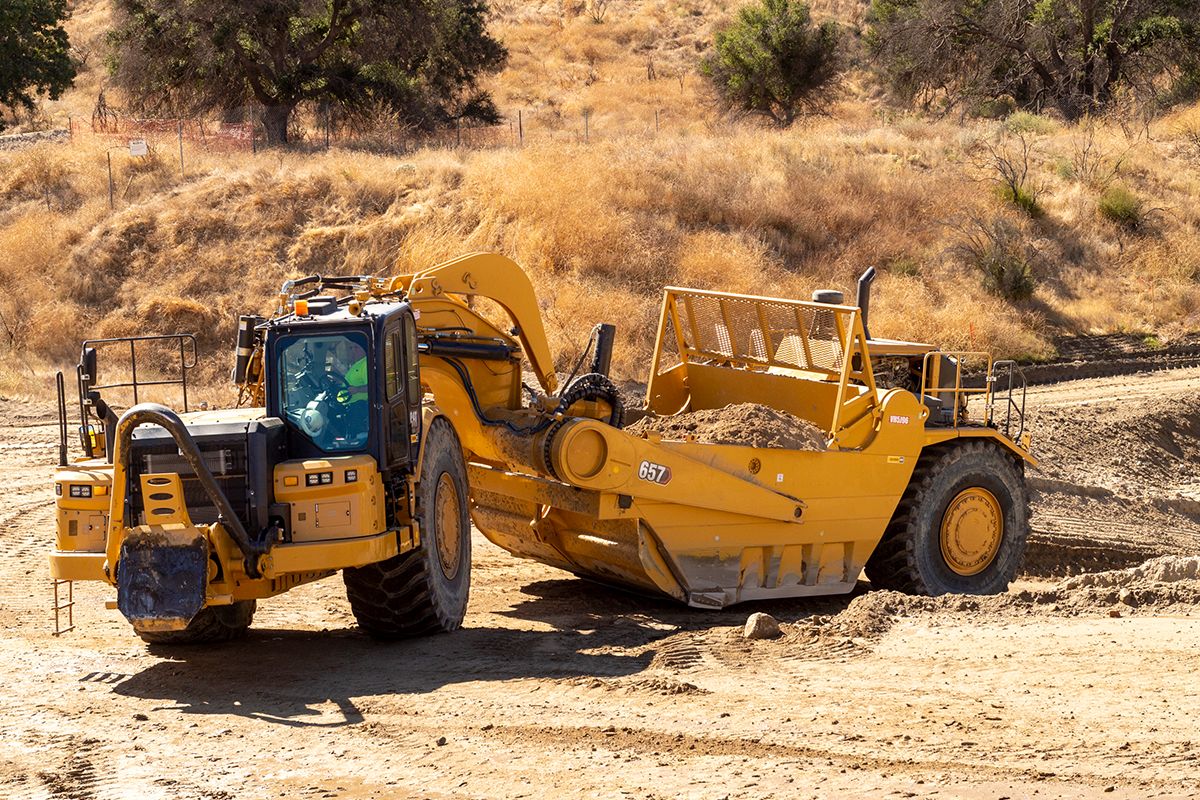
pixel 894 564
pixel 398 597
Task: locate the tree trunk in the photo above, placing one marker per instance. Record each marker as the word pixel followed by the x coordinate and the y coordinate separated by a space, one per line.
pixel 275 121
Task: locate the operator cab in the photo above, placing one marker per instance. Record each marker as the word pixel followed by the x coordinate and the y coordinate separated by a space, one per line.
pixel 346 383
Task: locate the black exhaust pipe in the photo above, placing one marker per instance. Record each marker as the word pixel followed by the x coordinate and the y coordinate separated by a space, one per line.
pixel 246 339
pixel 863 299
pixel 602 358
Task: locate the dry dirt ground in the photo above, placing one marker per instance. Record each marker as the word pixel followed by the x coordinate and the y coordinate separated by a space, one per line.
pixel 559 688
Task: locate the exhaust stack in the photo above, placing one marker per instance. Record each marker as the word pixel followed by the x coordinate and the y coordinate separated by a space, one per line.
pixel 863 298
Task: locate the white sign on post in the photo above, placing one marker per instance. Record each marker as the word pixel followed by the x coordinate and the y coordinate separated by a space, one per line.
pixel 138 147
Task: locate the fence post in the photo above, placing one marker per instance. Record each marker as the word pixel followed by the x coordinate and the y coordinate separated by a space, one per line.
pixel 520 129
pixel 458 132
pixel 182 173
pixel 656 121
pixel 108 154
pixel 326 126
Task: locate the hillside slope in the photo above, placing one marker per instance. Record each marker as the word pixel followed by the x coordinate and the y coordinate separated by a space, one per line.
pixel 602 224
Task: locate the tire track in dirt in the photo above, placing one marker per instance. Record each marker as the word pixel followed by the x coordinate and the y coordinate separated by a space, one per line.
pixel 63 767
pixel 684 747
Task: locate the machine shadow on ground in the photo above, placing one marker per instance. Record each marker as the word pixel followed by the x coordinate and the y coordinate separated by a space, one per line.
pixel 286 676
pixel 624 618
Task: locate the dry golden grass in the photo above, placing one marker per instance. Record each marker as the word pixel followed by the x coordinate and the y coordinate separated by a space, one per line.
pixel 603 225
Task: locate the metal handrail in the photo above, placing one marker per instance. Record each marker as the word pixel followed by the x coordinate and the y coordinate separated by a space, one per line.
pixel 1010 403
pixel 958 390
pixel 62 419
pixel 185 363
pixel 1014 411
pixel 188 358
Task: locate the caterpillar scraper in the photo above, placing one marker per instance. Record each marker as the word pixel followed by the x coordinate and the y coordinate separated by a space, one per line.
pixel 379 417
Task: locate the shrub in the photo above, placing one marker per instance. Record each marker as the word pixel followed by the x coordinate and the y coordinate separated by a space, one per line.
pixel 1118 204
pixel 1021 197
pixel 1025 122
pixel 999 251
pixel 1010 163
pixel 773 61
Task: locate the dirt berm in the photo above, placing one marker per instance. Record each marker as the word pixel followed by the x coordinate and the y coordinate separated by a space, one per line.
pixel 745 424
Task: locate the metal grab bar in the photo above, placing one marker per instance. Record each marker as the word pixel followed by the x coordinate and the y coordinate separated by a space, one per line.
pixel 62 419
pixel 957 391
pixel 1014 411
pixel 1010 403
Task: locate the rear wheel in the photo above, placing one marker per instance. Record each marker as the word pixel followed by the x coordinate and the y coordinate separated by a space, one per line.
pixel 423 591
pixel 212 624
pixel 960 527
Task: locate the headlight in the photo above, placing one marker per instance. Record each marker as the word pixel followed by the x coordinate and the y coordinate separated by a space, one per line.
pixel 318 478
pixel 81 490
pixel 351 475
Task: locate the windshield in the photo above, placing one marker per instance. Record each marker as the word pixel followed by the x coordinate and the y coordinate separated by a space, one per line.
pixel 323 389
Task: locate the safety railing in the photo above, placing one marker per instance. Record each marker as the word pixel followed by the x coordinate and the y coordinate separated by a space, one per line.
pixel 187 360
pixel 60 385
pixel 957 396
pixel 752 332
pixel 1011 406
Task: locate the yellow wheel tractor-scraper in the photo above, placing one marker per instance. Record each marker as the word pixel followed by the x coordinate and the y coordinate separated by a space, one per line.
pixel 383 415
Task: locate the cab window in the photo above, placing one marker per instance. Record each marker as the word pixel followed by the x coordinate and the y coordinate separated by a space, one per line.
pixel 323 384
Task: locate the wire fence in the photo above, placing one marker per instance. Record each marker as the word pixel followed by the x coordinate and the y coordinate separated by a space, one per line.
pixel 316 131
pixel 141 146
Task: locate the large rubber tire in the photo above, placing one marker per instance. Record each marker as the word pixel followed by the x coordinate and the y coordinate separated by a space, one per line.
pixel 425 590
pixel 212 624
pixel 910 557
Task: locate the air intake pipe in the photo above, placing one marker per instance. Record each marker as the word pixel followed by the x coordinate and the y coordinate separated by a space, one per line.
pixel 863 299
pixel 602 358
pixel 246 340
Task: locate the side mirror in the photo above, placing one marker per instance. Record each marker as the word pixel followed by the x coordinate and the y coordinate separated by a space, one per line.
pixel 87 365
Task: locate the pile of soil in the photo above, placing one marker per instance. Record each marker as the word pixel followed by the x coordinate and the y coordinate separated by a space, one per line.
pixel 1135 449
pixel 1160 584
pixel 745 424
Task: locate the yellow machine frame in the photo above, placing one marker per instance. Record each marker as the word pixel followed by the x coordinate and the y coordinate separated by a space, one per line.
pixel 707 524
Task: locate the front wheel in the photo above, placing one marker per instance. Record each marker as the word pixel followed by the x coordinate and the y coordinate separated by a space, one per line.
pixel 425 590
pixel 960 527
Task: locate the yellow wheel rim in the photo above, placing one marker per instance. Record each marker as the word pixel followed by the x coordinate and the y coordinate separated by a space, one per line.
pixel 972 529
pixel 448 513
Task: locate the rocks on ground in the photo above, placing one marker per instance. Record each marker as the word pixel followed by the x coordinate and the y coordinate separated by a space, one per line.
pixel 761 626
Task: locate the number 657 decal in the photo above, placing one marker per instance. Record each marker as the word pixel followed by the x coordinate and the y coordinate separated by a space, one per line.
pixel 655 473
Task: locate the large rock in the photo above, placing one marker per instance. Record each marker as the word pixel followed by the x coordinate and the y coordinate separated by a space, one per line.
pixel 760 626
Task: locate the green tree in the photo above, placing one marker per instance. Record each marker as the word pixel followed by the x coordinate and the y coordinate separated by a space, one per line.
pixel 416 59
pixel 773 61
pixel 1071 55
pixel 34 52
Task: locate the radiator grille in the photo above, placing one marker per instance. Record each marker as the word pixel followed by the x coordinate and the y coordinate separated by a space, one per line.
pixel 228 463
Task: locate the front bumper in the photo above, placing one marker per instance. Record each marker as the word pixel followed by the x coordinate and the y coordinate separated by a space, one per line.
pixel 69 565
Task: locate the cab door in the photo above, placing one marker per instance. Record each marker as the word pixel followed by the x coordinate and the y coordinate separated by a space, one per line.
pixel 402 392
